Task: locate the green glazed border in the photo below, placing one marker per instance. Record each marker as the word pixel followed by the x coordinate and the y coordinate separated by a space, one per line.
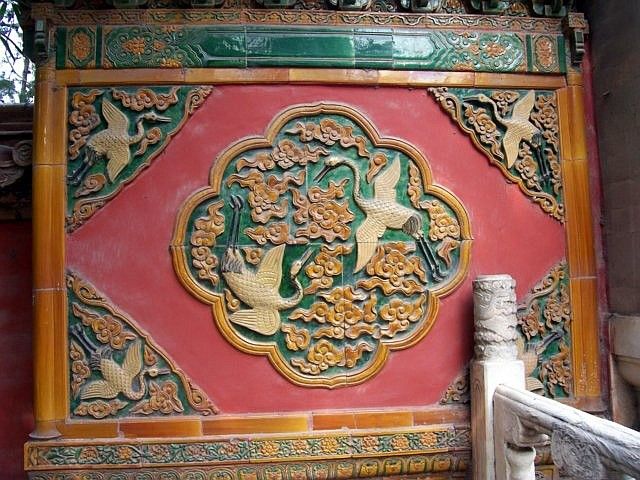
pixel 247 46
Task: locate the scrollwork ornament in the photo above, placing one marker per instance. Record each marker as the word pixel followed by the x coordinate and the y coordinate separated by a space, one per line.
pixel 544 324
pixel 575 457
pixel 518 132
pixel 458 391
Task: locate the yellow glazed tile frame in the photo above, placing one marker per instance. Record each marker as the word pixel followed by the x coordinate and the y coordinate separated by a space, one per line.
pixel 50 342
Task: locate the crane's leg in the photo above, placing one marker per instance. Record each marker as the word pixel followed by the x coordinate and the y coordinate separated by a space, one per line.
pixel 78 332
pixel 434 266
pixel 235 227
pixel 76 177
pixel 96 352
pixel 229 262
pixel 545 170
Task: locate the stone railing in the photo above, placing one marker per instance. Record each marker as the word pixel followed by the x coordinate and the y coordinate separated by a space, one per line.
pixel 508 422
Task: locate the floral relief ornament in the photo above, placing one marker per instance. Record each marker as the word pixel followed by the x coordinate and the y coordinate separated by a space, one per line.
pixel 351 265
pixel 105 152
pixel 518 132
pixel 544 325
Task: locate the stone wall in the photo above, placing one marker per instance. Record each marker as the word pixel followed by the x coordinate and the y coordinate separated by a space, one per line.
pixel 616 71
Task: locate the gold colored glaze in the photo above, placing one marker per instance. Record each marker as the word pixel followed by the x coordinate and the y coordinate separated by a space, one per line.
pixel 84 119
pixel 394 270
pixel 184 427
pixel 163 398
pixel 217 301
pixel 108 329
pixel 48 254
pixel 203 239
pixel 146 98
pixel 80 370
pixel 546 52
pixel 100 409
pixel 260 290
pixel 274 423
pixel 325 267
pixel 244 76
pixel 580 249
pixel 313 209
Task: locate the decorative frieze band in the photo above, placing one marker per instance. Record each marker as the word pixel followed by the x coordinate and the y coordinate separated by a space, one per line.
pixel 240 39
pixel 237 453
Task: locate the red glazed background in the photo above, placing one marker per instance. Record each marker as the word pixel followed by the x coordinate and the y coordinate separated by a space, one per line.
pixel 124 249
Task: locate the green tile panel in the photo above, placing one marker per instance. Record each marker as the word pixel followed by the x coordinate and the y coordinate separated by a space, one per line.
pixel 180 46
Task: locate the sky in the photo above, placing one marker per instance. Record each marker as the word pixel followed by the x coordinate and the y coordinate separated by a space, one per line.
pixel 10 69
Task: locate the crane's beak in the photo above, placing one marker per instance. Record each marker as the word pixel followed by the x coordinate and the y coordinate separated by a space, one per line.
pixel 305 256
pixel 299 264
pixel 161 118
pixel 323 172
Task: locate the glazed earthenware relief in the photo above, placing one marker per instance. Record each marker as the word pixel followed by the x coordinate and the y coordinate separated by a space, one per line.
pixel 322 245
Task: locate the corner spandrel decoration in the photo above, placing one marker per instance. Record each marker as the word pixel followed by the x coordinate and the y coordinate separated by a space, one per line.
pixel 544 328
pixel 322 245
pixel 518 131
pixel 116 369
pixel 114 134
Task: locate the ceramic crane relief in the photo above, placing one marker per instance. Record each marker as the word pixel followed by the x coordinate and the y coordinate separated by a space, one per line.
pixel 518 131
pixel 382 212
pixel 518 126
pixel 260 289
pixel 116 378
pixel 370 248
pixel 113 142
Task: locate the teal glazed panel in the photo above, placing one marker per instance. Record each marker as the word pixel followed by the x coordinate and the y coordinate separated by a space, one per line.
pixel 373 48
pixel 300 47
pixel 174 47
pixel 224 48
pixel 238 46
pixel 413 51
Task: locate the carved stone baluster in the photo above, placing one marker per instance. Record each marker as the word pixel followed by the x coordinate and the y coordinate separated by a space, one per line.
pixel 495 363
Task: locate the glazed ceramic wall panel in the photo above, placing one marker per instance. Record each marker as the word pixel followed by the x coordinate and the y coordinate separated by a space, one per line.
pixel 270 160
pixel 256 230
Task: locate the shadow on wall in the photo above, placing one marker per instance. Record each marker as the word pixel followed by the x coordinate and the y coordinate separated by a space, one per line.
pixel 16 383
pixel 16 390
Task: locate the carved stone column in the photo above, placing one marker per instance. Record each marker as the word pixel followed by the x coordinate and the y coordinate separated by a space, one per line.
pixel 495 363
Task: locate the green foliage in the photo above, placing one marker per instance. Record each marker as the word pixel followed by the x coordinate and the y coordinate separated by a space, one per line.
pixel 16 75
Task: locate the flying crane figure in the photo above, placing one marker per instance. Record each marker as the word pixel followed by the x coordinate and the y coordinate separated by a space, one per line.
pixel 260 290
pixel 518 126
pixel 113 142
pixel 117 378
pixel 382 212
